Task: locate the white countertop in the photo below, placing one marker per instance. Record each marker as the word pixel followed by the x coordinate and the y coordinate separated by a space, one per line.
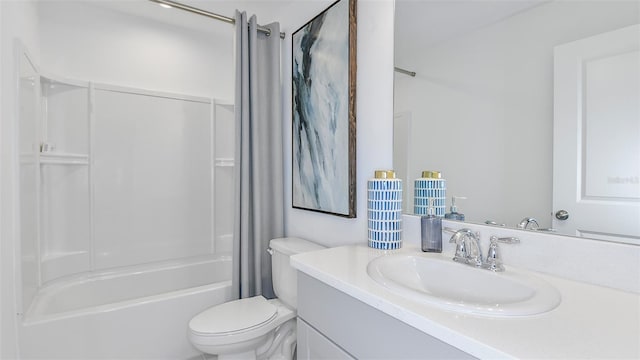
pixel 590 322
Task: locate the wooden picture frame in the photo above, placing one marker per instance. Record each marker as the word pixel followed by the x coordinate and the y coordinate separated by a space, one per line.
pixel 324 112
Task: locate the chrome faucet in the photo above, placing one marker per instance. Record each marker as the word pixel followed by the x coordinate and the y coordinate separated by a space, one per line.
pixel 528 223
pixel 494 258
pixel 467 247
pixel 532 224
pixel 468 250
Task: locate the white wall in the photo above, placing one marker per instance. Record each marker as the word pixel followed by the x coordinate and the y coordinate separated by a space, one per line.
pixel 94 43
pixel 76 40
pixel 18 19
pixel 79 41
pixel 482 106
pixel 374 118
pixel 75 54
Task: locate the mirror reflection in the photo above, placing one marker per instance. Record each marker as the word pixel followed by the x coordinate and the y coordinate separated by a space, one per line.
pixel 529 109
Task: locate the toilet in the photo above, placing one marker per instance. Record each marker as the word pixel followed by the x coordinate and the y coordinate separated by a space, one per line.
pixel 256 328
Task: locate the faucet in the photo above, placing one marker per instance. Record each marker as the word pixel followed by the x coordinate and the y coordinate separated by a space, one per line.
pixel 468 250
pixel 524 224
pixel 467 247
pixel 494 258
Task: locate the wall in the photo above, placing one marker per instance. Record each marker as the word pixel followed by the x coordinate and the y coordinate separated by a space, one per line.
pixel 77 40
pixel 83 59
pixel 482 106
pixel 18 19
pixel 117 48
pixel 130 44
pixel 75 54
pixel 374 114
pixel 73 38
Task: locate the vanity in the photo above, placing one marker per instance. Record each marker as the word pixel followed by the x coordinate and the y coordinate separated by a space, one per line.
pixel 358 302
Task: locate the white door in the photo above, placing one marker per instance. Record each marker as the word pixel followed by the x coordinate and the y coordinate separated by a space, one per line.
pixel 596 156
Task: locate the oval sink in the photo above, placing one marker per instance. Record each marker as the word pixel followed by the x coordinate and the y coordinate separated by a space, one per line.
pixel 444 283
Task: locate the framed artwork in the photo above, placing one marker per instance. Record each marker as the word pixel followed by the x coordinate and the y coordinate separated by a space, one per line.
pixel 324 112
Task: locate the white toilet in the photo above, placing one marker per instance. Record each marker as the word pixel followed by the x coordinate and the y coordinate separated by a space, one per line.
pixel 256 328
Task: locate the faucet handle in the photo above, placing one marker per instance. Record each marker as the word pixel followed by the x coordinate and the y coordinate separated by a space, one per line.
pixel 467 252
pixel 461 249
pixel 493 261
pixel 505 240
pixel 449 230
pixel 524 224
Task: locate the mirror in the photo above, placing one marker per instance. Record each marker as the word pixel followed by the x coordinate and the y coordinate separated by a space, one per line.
pixel 480 108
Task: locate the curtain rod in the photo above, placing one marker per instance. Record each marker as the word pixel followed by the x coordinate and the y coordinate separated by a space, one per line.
pixel 406 72
pixel 194 10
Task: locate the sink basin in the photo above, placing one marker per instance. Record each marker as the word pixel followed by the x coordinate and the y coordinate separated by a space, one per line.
pixel 441 282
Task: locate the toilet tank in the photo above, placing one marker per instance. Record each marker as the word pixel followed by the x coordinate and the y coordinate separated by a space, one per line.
pixel 284 276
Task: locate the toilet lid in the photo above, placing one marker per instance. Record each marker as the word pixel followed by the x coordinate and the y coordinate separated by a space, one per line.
pixel 234 316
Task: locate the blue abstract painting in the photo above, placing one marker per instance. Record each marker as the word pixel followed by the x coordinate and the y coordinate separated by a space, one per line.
pixel 324 112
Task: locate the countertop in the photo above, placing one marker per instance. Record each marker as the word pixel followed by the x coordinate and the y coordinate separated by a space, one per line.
pixel 590 322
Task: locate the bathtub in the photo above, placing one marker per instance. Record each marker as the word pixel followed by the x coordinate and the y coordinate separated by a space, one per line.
pixel 139 312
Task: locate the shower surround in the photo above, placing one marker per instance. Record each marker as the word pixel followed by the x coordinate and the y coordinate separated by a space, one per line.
pixel 128 190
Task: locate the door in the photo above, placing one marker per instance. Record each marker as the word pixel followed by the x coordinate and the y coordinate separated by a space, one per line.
pixel 596 157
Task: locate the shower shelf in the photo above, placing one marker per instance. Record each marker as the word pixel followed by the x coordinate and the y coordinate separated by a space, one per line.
pixel 57 264
pixel 62 254
pixel 64 159
pixel 222 162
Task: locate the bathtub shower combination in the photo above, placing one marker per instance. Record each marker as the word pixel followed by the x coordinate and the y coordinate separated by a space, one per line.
pixel 125 223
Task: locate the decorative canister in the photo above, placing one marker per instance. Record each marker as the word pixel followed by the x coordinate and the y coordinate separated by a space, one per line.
pixel 430 186
pixel 384 210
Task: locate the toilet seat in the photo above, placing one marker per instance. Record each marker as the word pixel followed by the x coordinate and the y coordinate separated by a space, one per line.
pixel 234 316
pixel 237 321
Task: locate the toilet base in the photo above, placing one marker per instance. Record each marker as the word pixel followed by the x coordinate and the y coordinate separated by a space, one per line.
pixel 249 355
pixel 278 344
pixel 283 345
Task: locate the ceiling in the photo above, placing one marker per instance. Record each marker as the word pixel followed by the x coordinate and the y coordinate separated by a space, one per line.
pixel 268 10
pixel 419 23
pixel 425 23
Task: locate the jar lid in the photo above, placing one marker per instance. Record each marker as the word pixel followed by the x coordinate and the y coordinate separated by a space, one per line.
pixel 431 174
pixel 385 174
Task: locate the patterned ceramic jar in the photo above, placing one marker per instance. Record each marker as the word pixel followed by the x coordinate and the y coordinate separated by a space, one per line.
pixel 430 186
pixel 384 211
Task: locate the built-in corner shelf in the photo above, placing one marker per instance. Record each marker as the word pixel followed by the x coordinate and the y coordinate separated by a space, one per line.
pixel 62 263
pixel 224 162
pixel 53 158
pixel 62 254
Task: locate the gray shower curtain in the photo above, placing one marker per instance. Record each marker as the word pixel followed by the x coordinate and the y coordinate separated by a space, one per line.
pixel 259 192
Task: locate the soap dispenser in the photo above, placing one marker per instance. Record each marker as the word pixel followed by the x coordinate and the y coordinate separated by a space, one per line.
pixel 454 214
pixel 431 230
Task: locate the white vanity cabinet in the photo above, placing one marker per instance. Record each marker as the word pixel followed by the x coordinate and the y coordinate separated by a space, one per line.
pixel 313 345
pixel 334 325
pixel 343 310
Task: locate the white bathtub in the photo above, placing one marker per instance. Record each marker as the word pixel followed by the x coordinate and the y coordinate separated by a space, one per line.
pixel 137 312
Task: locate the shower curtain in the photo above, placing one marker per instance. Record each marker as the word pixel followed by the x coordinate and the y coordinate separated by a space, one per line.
pixel 259 192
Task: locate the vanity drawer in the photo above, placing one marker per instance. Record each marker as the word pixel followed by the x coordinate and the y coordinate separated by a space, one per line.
pixel 314 346
pixel 361 330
